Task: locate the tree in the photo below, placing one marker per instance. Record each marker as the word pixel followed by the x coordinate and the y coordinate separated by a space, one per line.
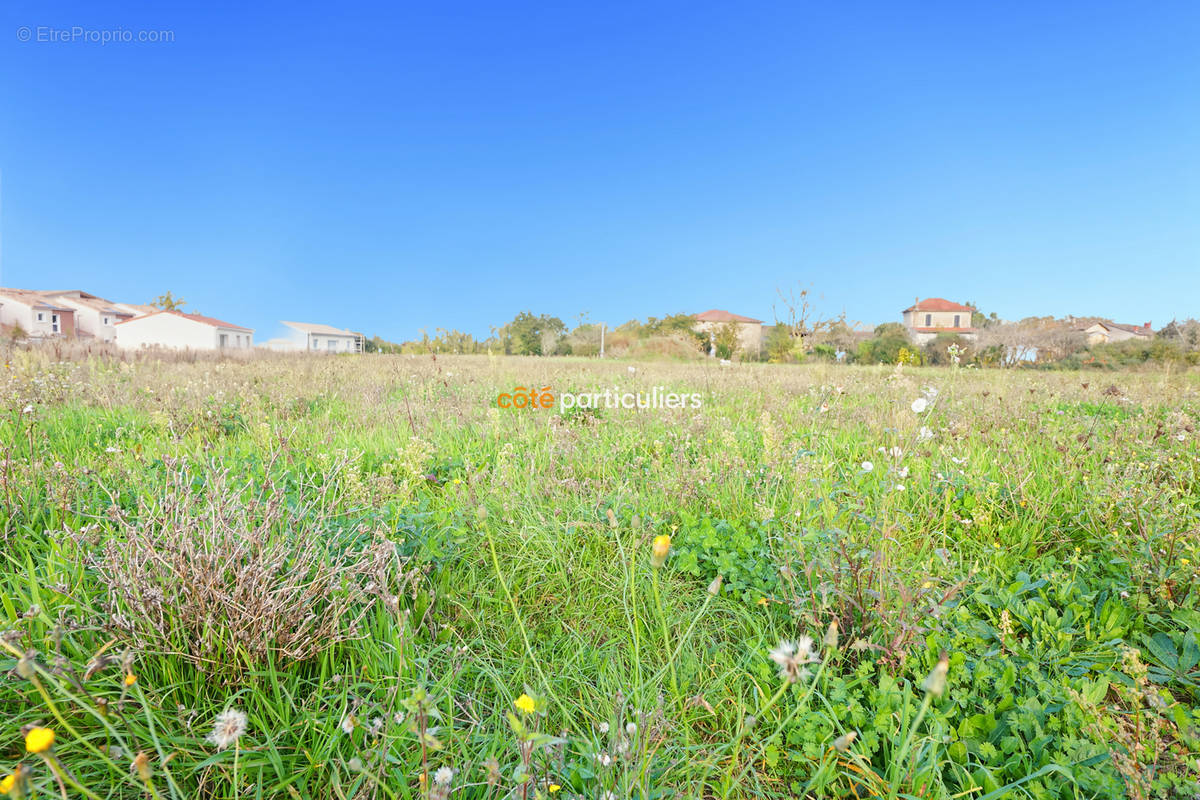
pixel 727 340
pixel 168 302
pixel 938 351
pixel 806 328
pixel 534 336
pixel 885 347
pixel 779 345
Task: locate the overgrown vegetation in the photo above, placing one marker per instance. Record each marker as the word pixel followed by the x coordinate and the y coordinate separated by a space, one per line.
pixel 334 578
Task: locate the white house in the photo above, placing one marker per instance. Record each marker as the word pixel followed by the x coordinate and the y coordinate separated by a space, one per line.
pixel 179 331
pixel 39 316
pixel 94 316
pixel 316 338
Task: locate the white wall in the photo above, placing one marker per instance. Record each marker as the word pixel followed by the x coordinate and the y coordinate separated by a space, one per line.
pixel 177 332
pixel 16 313
pixel 166 330
pixel 319 343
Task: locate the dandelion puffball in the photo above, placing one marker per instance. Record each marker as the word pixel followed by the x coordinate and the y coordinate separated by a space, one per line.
pixel 229 726
pixel 919 405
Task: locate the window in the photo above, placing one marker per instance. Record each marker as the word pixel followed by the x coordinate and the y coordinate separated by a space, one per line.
pixel 54 323
pixel 224 339
pixel 106 322
pixel 928 320
pixel 956 319
pixel 315 343
pixel 333 344
pixel 41 317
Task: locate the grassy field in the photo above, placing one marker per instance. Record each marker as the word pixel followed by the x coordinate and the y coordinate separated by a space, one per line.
pixel 878 582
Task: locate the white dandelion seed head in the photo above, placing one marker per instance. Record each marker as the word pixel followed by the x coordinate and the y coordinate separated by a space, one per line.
pixel 229 726
pixel 792 656
pixel 602 728
pixel 919 405
pixel 867 466
pixel 443 776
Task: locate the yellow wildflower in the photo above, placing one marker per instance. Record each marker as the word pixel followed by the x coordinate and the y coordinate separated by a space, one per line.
pixel 7 783
pixel 658 555
pixel 554 787
pixel 130 679
pixel 525 703
pixel 39 740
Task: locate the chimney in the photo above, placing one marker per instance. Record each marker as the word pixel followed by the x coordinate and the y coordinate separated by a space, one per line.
pixel 1146 326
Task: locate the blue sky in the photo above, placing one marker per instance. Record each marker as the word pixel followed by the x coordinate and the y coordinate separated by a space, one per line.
pixel 391 167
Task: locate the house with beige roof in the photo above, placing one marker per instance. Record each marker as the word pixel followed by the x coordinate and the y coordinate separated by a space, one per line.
pixel 94 316
pixel 176 330
pixel 1105 332
pixel 750 335
pixel 314 337
pixel 38 316
pixel 925 319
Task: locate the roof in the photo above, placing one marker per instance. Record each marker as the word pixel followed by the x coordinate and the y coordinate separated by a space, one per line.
pixel 718 315
pixel 1139 330
pixel 944 330
pixel 938 304
pixel 203 320
pixel 89 300
pixel 1136 330
pixel 137 308
pixel 32 299
pixel 315 327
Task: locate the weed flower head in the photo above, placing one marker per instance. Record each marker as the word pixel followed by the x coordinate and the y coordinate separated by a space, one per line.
pixel 39 740
pixel 919 405
pixel 141 765
pixel 662 546
pixel 831 635
pixel 7 783
pixel 229 726
pixel 843 742
pixel 525 703
pixel 867 466
pixel 791 658
pixel 935 684
pixel 443 776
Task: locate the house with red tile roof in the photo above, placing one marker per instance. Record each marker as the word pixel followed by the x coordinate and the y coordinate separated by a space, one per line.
pixel 176 330
pixel 925 319
pixel 750 335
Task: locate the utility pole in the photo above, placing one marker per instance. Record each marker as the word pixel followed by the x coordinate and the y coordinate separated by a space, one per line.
pixel 602 340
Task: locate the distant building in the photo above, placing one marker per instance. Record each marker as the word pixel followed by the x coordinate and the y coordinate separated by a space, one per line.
pixel 750 330
pixel 316 338
pixel 1104 332
pixel 38 316
pixel 176 330
pixel 94 316
pixel 925 319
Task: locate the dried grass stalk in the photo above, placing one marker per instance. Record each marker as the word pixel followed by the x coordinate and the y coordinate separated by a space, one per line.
pixel 229 576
